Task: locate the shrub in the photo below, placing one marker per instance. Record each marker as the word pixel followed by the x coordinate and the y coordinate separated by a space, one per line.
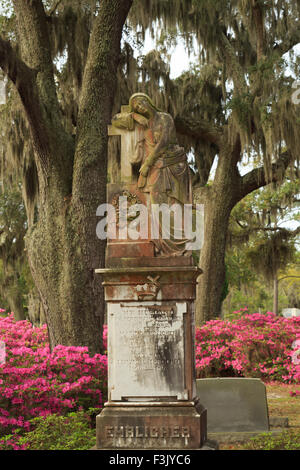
pixel 36 382
pixel 75 431
pixel 251 346
pixel 286 440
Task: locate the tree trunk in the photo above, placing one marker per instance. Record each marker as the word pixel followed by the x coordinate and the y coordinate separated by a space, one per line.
pixel 15 301
pixel 218 200
pixel 275 294
pixel 212 262
pixel 72 298
pixel 36 313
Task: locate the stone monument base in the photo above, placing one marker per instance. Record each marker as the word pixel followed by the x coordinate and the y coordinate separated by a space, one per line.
pixel 178 425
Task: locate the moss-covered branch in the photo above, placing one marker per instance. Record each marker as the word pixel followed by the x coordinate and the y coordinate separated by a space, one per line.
pixel 103 52
pixel 54 8
pixel 10 63
pixel 97 91
pixel 292 39
pixel 256 178
pixel 24 79
pixel 33 35
pixel 237 72
pixel 53 145
pixel 259 28
pixel 199 129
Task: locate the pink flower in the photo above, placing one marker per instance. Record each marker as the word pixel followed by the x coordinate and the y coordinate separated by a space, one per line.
pixel 35 382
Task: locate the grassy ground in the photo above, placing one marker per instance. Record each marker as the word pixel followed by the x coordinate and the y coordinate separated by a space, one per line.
pixel 280 404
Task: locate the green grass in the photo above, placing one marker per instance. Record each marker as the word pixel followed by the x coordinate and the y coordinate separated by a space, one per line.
pixel 280 404
pixel 288 439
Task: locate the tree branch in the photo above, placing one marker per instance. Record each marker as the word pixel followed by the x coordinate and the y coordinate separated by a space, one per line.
pixel 11 64
pixel 52 143
pixel 33 35
pixel 24 79
pixel 35 48
pixel 289 233
pixel 256 178
pixel 286 277
pixel 259 27
pixel 104 48
pixel 54 8
pixel 292 39
pixel 97 92
pixel 237 72
pixel 199 129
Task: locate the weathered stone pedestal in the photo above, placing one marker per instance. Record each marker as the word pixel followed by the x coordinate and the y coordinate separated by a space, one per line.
pixel 151 426
pixel 151 381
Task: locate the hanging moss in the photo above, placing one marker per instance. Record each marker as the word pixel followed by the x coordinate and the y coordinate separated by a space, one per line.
pixel 229 86
pixel 272 253
pixel 258 106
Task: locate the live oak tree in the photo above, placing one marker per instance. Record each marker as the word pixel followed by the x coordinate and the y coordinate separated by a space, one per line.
pixel 69 147
pixel 239 104
pixel 236 104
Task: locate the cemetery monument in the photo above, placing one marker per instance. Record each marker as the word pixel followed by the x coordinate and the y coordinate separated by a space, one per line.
pixel 150 288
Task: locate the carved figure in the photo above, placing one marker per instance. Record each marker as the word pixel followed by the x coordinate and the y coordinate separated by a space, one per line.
pixel 164 172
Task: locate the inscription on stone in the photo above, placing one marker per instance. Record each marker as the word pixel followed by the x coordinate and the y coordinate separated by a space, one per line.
pixel 147 431
pixel 146 350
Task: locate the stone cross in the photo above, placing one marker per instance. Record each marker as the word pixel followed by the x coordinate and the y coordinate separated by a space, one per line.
pixel 129 141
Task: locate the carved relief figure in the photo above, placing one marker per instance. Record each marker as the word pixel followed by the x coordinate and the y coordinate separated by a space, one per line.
pixel 164 172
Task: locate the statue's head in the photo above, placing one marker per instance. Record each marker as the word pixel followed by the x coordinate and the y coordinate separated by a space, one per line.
pixel 142 104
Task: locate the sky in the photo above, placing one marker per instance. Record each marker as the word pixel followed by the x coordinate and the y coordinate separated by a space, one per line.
pixel 180 60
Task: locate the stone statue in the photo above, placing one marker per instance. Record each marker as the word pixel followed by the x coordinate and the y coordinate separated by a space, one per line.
pixel 164 172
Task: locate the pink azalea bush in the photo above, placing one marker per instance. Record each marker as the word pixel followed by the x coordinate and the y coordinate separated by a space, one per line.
pixel 36 382
pixel 250 346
